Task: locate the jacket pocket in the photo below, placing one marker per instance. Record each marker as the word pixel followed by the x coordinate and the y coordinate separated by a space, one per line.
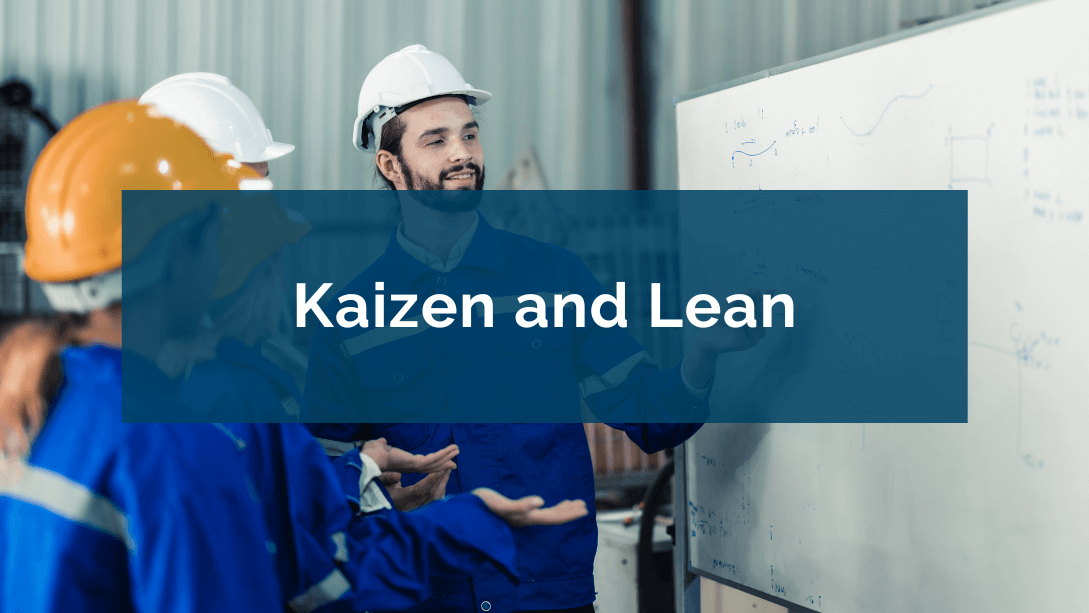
pixel 399 382
pixel 538 368
pixel 395 368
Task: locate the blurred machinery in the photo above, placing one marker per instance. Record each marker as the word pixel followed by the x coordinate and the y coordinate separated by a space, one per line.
pixel 634 564
pixel 14 120
pixel 536 216
pixel 16 113
pixel 616 568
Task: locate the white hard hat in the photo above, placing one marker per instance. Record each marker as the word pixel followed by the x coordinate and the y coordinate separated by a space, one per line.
pixel 223 115
pixel 413 74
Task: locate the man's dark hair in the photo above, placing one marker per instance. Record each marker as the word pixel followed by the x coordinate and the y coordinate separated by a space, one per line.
pixel 392 134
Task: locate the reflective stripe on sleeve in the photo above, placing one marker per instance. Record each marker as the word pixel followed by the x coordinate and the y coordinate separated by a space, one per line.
pixel 329 590
pixel 291 407
pixel 616 375
pixel 341 541
pixel 68 499
pixel 238 443
pixel 335 449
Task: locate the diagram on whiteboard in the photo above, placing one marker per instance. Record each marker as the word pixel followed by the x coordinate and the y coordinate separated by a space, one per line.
pixel 750 154
pixel 762 137
pixel 987 515
pixel 1033 349
pixel 968 158
pixel 864 131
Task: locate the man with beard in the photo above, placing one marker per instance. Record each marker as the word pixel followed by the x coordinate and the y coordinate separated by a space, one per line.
pixel 415 110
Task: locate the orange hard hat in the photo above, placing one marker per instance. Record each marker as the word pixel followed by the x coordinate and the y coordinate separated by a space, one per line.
pixel 73 200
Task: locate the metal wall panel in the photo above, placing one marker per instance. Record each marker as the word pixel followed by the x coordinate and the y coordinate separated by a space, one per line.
pixel 554 67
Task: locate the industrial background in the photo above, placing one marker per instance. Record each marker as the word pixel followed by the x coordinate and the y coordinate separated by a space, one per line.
pixel 583 99
pixel 583 92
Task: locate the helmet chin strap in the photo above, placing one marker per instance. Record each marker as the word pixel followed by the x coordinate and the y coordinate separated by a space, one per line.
pixel 381 116
pixel 86 295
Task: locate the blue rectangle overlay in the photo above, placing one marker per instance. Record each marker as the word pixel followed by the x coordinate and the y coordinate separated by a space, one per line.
pixel 551 307
pixel 878 281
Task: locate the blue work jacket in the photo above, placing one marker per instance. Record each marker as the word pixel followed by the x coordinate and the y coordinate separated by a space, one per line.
pixel 328 559
pixel 241 385
pixel 112 517
pixel 477 371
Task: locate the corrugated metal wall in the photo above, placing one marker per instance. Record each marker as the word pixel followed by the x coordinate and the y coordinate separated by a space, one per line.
pixel 554 67
pixel 701 43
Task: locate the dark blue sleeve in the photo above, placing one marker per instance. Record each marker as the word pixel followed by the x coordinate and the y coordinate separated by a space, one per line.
pixel 383 561
pixel 198 539
pixel 619 381
pixel 331 387
pixel 318 515
pixel 348 469
pixel 332 391
pixel 653 438
pixel 394 557
pixel 388 559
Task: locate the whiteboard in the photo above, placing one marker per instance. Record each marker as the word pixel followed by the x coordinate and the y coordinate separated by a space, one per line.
pixel 992 515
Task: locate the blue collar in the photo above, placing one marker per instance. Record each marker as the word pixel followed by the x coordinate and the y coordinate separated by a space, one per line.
pixel 485 251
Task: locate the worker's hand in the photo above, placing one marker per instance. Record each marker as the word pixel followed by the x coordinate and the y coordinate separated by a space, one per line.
pixel 394 460
pixel 29 375
pixel 721 338
pixel 427 490
pixel 528 512
pixel 699 362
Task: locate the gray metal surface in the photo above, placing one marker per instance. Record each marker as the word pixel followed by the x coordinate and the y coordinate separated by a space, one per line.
pixel 863 46
pixel 554 68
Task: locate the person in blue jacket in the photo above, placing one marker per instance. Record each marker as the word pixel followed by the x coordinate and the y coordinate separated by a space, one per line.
pixel 97 514
pixel 327 557
pixel 415 112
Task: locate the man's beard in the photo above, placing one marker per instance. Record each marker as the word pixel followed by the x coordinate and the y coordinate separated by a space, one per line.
pixel 432 194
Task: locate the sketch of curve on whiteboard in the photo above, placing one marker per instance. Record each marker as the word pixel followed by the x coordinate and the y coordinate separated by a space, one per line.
pixel 751 154
pixel 885 110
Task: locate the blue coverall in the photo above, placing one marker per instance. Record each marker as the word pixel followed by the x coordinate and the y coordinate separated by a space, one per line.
pixel 113 517
pixel 357 373
pixel 327 559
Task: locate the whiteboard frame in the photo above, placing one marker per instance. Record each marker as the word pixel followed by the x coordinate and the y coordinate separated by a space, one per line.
pixel 687 599
pixel 685 575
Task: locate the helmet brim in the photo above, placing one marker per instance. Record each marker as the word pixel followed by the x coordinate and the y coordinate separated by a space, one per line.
pixel 276 150
pixel 479 97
